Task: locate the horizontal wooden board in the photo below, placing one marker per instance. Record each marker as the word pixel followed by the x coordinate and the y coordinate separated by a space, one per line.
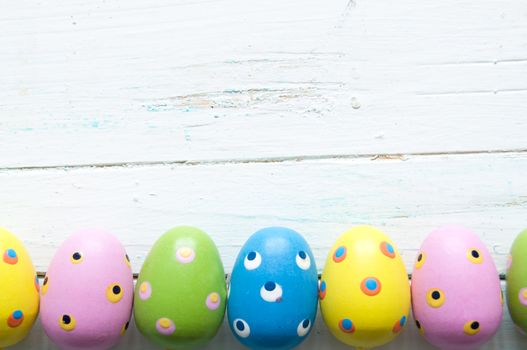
pixel 506 338
pixel 124 81
pixel 406 197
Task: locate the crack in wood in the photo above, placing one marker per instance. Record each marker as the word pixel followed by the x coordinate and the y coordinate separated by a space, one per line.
pixel 286 159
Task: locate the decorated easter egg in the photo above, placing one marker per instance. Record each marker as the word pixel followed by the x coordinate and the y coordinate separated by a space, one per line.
pixel 364 289
pixel 517 281
pixel 456 294
pixel 273 290
pixel 87 294
pixel 19 294
pixel 180 294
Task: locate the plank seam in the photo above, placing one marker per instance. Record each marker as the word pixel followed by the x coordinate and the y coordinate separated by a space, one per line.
pixel 286 159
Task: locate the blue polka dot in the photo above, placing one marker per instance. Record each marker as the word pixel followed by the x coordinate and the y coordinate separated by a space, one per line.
pixel 251 256
pixel 240 326
pixel 390 249
pixel 11 253
pixel 347 324
pixel 17 314
pixel 269 286
pixel 302 254
pixel 371 284
pixel 403 321
pixel 323 286
pixel 305 324
pixel 340 251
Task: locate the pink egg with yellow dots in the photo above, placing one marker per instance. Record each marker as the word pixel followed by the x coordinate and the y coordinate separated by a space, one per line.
pixel 87 294
pixel 456 293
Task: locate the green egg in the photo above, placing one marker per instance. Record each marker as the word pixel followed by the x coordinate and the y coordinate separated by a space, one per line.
pixel 517 281
pixel 180 293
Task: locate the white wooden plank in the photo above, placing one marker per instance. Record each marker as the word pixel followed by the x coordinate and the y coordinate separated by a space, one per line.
pixel 124 81
pixel 319 198
pixel 506 338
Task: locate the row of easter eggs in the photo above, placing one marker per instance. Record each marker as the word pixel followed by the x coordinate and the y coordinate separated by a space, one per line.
pixel 180 297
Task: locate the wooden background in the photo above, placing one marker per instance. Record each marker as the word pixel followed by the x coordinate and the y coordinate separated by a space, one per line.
pixel 232 115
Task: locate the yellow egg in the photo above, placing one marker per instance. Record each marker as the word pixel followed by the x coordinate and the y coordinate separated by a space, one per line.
pixel 364 290
pixel 19 297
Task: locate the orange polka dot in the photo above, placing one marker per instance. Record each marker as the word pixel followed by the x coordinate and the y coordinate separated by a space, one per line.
pixel 15 319
pixel 340 254
pixel 399 325
pixel 370 286
pixel 388 249
pixel 10 257
pixel 346 325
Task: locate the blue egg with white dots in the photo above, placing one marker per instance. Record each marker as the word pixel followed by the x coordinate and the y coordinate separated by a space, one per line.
pixel 273 292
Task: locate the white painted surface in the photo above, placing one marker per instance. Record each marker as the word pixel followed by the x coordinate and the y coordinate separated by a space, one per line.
pixel 319 198
pixel 129 81
pixel 285 109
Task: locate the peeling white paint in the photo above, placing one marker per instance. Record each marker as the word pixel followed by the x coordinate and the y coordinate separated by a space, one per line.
pixel 176 81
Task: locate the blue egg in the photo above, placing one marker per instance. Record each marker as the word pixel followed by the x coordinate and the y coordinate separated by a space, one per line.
pixel 274 290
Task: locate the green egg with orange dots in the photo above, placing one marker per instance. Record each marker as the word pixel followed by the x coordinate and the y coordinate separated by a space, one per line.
pixel 19 296
pixel 364 290
pixel 517 281
pixel 180 295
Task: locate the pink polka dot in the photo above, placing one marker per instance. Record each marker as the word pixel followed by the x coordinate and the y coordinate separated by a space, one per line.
pixel 165 326
pixel 145 290
pixel 213 301
pixel 185 255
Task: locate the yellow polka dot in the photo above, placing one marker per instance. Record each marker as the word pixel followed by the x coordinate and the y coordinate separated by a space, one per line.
pixel 471 328
pixel 185 252
pixel 67 322
pixel 474 256
pixel 421 329
pixel 45 285
pixel 143 287
pixel 164 322
pixel 124 328
pixel 435 297
pixel 214 298
pixel 420 260
pixel 76 257
pixel 114 292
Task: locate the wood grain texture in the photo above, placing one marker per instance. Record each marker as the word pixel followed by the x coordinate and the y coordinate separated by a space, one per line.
pixel 233 115
pixel 319 198
pixel 126 81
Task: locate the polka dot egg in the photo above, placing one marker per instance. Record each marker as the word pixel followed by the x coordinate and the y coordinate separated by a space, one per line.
pixel 456 291
pixel 19 297
pixel 87 293
pixel 273 291
pixel 364 290
pixel 517 281
pixel 180 293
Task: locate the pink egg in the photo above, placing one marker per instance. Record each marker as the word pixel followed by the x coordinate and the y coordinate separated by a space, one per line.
pixel 87 294
pixel 456 294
